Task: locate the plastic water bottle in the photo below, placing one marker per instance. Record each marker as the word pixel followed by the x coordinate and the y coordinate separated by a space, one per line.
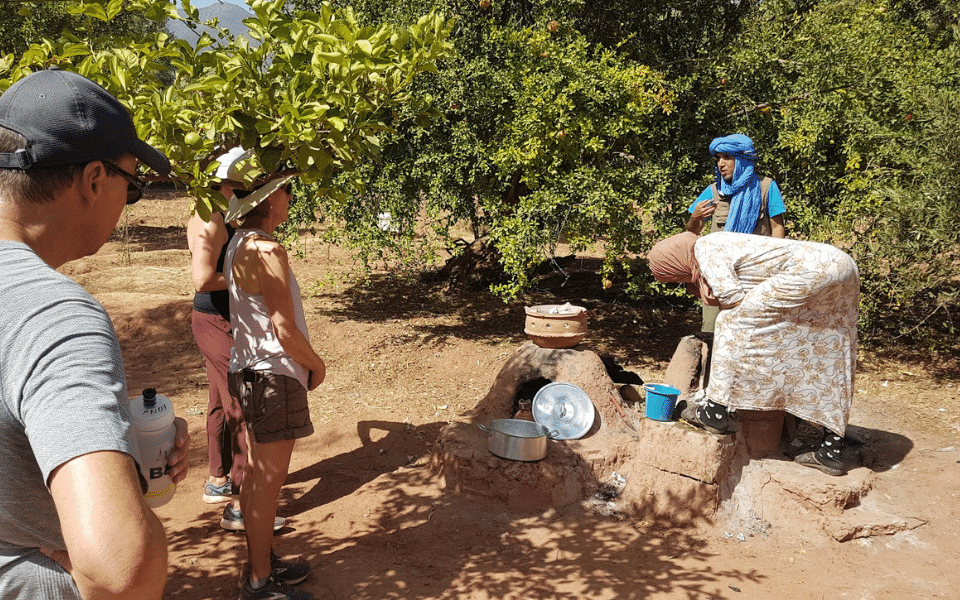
pixel 153 419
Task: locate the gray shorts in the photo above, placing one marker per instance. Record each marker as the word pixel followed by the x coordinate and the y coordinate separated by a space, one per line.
pixel 28 573
pixel 274 406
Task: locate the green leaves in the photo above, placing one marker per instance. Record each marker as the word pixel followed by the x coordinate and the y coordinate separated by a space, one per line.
pixel 311 98
pixel 532 148
pixel 849 139
pixel 528 135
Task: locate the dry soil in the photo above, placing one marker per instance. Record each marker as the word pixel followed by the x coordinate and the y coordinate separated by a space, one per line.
pixel 405 358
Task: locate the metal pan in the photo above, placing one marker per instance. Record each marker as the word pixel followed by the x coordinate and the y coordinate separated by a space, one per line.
pixel 517 439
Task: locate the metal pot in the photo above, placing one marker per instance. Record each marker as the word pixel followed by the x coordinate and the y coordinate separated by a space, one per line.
pixel 517 439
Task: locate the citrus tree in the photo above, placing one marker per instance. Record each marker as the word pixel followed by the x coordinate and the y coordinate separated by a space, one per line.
pixel 846 100
pixel 22 23
pixel 311 98
pixel 577 122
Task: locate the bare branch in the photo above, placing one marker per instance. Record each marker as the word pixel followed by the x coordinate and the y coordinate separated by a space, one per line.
pixel 789 100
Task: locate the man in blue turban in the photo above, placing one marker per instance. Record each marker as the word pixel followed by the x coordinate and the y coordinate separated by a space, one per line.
pixel 739 200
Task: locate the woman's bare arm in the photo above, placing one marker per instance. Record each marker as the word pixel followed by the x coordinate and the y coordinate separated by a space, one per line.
pixel 206 239
pixel 274 277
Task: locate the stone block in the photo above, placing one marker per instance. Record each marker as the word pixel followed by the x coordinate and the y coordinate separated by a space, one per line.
pixel 687 367
pixel 766 494
pixel 760 431
pixel 666 498
pixel 465 464
pixel 678 448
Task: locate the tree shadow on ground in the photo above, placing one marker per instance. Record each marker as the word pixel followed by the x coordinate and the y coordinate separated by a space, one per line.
pixel 634 331
pixel 415 541
pixel 386 446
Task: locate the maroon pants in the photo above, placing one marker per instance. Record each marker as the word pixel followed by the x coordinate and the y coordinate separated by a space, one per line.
pixel 226 431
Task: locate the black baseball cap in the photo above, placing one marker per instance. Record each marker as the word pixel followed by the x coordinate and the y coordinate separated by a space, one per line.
pixel 68 119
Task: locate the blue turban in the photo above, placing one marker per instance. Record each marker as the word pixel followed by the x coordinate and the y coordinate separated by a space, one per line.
pixel 746 200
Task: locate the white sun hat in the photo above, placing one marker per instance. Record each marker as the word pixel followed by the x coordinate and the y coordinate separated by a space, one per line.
pixel 241 206
pixel 235 164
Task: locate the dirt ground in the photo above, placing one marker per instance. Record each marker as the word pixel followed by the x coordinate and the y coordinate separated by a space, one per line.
pixel 364 508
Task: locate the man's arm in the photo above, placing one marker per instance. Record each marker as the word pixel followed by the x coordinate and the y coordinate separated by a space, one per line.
pixel 116 547
pixel 776 210
pixel 701 214
pixel 777 227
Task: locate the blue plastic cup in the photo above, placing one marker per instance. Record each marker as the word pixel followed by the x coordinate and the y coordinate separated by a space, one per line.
pixel 661 400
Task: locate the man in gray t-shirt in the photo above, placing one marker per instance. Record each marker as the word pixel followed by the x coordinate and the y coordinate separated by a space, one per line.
pixel 56 401
pixel 73 520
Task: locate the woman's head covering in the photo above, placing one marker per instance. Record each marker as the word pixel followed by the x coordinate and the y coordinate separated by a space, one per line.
pixel 744 189
pixel 672 261
pixel 234 164
pixel 237 166
pixel 241 206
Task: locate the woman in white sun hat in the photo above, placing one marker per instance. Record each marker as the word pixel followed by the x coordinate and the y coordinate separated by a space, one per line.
pixel 226 430
pixel 272 367
pixel 226 433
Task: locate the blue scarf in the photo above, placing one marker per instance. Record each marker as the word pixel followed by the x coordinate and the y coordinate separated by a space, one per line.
pixel 746 200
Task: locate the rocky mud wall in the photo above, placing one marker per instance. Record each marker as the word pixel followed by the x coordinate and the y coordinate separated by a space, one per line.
pixel 667 474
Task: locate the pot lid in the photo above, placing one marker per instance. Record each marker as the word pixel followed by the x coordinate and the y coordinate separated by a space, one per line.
pixel 565 409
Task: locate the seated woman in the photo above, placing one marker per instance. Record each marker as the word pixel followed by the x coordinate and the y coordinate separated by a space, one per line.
pixel 786 336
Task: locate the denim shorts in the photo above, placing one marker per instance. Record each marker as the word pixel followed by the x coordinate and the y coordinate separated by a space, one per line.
pixel 274 406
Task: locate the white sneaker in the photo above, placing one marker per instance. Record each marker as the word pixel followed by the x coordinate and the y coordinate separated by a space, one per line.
pixel 233 521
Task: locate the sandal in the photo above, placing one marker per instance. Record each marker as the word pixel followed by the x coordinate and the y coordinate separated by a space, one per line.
pixel 825 465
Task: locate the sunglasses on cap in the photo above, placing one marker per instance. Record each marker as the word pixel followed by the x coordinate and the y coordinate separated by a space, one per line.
pixel 135 185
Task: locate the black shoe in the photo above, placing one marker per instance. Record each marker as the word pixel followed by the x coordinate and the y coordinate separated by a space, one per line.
pixel 826 458
pixel 289 573
pixel 699 416
pixel 824 464
pixel 273 590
